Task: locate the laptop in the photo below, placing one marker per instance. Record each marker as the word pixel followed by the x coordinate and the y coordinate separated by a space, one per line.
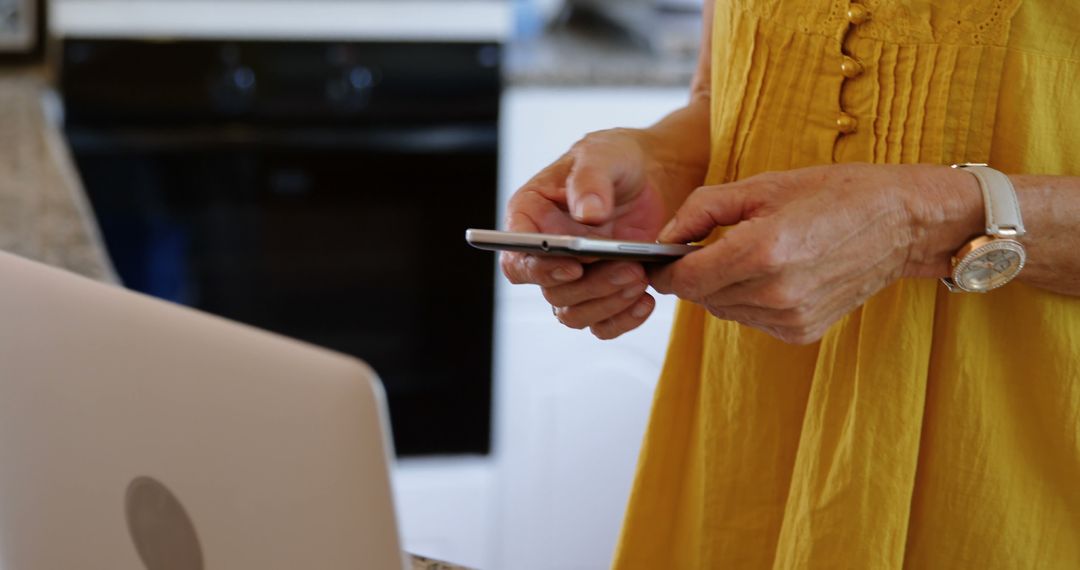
pixel 139 434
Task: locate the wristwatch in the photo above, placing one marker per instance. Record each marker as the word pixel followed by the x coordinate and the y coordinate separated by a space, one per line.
pixel 992 260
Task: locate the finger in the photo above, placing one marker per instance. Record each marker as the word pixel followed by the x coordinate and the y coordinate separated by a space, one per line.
pixel 660 277
pixel 590 192
pixel 522 268
pixel 789 325
pixel 752 316
pixel 627 320
pixel 706 208
pixel 761 292
pixel 600 167
pixel 530 210
pixel 742 254
pixel 590 313
pixel 600 280
pixel 541 204
pixel 552 179
pixel 548 271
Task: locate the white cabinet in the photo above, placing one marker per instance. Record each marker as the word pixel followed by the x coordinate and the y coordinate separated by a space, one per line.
pixel 570 410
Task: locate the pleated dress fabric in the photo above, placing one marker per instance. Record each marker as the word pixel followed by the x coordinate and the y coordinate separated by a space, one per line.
pixel 926 429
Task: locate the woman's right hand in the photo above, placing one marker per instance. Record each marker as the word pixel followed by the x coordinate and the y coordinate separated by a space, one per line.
pixel 609 186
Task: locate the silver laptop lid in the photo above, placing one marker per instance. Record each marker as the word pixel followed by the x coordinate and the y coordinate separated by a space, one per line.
pixel 135 433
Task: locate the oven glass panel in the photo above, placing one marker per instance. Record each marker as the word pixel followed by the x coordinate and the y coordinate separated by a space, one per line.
pixel 350 238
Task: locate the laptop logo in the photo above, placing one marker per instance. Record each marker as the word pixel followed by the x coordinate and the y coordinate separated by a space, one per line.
pixel 161 529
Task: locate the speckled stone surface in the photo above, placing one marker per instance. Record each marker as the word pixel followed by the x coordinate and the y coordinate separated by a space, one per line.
pixel 421 563
pixel 43 211
pixel 576 57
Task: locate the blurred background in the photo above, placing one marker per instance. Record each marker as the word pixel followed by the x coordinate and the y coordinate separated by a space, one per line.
pixel 310 167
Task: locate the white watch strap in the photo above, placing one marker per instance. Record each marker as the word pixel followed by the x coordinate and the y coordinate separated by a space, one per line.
pixel 1002 208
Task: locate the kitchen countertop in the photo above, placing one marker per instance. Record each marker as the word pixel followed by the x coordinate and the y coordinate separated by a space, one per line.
pixel 571 55
pixel 568 54
pixel 421 563
pixel 44 214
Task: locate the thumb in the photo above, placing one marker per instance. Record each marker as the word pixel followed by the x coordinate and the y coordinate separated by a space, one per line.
pixel 608 170
pixel 590 190
pixel 705 209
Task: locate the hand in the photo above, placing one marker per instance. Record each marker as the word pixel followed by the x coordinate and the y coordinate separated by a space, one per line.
pixel 605 186
pixel 808 246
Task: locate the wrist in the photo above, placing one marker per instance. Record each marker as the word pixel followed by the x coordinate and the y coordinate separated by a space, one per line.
pixel 945 208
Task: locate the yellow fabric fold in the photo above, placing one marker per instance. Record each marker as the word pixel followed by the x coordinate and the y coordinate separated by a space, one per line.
pixel 927 429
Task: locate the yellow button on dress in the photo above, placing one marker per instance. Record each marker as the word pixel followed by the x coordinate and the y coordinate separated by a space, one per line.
pixel 927 429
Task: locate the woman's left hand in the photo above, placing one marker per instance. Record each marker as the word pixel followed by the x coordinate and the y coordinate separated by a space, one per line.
pixel 808 246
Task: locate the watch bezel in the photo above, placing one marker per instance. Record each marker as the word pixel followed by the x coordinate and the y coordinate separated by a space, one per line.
pixel 977 248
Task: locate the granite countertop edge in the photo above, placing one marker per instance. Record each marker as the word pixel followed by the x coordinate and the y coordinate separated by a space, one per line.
pixel 566 58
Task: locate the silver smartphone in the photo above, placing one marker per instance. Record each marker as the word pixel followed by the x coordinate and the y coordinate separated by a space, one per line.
pixel 576 246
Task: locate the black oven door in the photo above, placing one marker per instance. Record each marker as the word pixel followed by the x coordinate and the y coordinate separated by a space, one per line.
pixel 344 234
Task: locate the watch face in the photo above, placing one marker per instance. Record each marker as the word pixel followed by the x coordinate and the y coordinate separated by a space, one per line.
pixel 990 266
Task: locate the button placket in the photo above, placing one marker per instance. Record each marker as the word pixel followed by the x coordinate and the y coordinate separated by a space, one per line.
pixel 850 67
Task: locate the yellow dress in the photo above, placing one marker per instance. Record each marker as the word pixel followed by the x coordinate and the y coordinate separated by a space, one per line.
pixel 927 429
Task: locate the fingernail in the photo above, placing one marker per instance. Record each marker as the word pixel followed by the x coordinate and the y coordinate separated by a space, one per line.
pixel 623 276
pixel 562 274
pixel 590 206
pixel 670 227
pixel 640 310
pixel 632 292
